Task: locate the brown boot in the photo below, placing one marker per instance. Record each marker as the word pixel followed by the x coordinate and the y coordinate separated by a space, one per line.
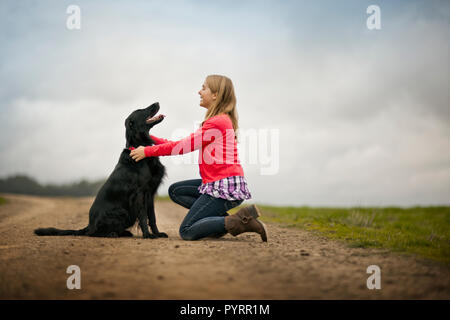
pixel 245 220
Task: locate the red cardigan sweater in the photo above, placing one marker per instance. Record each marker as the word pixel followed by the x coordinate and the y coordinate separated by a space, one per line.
pixel 218 156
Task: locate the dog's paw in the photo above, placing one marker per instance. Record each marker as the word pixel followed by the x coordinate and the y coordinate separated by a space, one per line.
pixel 149 236
pixel 162 235
pixel 113 235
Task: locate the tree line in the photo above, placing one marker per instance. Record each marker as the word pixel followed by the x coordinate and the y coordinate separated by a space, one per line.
pixel 24 184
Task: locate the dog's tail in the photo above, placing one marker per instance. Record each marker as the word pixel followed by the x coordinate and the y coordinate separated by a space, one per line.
pixel 58 232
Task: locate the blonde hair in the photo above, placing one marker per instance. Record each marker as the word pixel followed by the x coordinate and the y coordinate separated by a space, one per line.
pixel 225 102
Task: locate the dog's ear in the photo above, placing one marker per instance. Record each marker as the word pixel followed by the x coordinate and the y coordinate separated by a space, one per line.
pixel 129 137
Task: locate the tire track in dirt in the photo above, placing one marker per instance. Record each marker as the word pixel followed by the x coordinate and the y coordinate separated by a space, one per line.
pixel 294 264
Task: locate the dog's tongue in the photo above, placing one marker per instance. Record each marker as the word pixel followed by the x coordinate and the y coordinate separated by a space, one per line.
pixel 158 117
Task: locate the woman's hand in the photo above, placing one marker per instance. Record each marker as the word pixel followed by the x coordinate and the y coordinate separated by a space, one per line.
pixel 138 154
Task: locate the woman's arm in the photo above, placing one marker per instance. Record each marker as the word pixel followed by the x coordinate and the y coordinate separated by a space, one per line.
pixel 194 141
pixel 157 140
pixel 199 139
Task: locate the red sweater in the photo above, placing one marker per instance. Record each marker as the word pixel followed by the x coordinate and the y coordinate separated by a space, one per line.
pixel 218 156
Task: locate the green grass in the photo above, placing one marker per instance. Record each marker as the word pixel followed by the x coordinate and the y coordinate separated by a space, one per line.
pixel 162 198
pixel 424 231
pixel 2 201
pixel 420 230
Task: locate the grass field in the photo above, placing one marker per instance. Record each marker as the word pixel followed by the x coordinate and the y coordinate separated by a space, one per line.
pixel 2 201
pixel 163 198
pixel 419 230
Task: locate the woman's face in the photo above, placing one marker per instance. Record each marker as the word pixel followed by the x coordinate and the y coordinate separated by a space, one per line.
pixel 206 97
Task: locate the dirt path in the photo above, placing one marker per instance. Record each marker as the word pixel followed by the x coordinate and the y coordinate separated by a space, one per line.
pixel 294 264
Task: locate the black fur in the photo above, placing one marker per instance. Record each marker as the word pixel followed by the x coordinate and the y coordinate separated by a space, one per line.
pixel 128 194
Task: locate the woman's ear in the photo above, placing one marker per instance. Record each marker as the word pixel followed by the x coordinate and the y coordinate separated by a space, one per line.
pixel 214 96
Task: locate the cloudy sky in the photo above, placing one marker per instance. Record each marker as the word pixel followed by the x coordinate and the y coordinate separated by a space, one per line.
pixel 341 115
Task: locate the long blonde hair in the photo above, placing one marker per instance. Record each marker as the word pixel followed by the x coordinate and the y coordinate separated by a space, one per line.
pixel 225 102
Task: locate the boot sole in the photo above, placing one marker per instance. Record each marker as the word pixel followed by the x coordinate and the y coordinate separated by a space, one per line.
pixel 255 213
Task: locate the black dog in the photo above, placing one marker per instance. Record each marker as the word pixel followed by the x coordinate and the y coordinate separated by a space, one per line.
pixel 129 192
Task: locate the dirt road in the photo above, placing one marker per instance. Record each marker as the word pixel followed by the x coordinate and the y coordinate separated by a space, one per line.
pixel 294 264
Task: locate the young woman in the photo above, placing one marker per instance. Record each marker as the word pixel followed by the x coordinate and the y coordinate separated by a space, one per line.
pixel 222 185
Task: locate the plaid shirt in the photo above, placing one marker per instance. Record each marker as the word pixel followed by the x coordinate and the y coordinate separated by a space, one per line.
pixel 230 188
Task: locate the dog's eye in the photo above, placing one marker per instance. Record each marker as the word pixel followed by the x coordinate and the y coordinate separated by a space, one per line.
pixel 130 124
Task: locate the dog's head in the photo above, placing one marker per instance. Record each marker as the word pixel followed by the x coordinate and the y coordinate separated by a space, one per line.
pixel 139 123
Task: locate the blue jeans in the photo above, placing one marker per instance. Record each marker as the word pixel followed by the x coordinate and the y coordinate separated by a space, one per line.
pixel 206 216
